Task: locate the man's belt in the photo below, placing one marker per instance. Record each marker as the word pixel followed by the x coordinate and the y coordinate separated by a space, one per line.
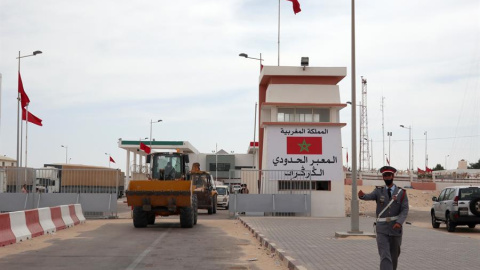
pixel 387 219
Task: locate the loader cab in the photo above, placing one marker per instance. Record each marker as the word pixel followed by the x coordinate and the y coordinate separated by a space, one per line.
pixel 168 166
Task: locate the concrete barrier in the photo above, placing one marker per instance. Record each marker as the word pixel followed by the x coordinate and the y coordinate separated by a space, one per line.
pixel 66 216
pixel 71 209
pixel 6 234
pixel 22 225
pixel 45 218
pixel 79 213
pixel 57 219
pixel 33 222
pixel 19 226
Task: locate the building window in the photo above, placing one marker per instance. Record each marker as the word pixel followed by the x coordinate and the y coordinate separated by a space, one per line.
pixel 222 167
pixel 303 115
pixel 304 185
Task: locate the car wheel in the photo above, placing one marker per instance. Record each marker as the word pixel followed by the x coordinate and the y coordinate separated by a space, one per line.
pixel 450 224
pixel 210 208
pixel 435 223
pixel 471 226
pixel 475 206
pixel 215 204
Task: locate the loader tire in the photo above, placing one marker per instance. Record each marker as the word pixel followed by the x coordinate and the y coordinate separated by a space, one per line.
pixel 140 219
pixel 187 217
pixel 195 209
pixel 151 218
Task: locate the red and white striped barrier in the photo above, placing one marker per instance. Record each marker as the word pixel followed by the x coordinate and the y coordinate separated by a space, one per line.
pixel 22 225
pixel 46 222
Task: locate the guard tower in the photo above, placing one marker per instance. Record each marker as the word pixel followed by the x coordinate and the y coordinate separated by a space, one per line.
pixel 299 121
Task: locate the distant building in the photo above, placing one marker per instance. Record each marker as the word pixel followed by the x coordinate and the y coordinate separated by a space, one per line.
pixel 7 162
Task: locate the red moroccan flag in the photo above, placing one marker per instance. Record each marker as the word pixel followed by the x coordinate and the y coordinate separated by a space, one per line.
pixel 388 161
pixel 428 170
pixel 145 148
pixel 304 145
pixel 23 96
pixel 420 171
pixel 347 157
pixel 31 118
pixel 111 160
pixel 296 6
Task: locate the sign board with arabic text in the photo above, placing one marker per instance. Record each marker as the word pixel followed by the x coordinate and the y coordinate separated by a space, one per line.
pixel 316 151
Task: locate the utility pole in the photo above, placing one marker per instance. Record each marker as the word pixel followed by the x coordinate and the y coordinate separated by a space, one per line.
pixel 382 106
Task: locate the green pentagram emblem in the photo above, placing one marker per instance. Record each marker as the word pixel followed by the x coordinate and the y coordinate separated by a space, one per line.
pixel 304 145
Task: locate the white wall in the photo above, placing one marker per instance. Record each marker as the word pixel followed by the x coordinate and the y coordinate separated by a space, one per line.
pixel 329 203
pixel 295 93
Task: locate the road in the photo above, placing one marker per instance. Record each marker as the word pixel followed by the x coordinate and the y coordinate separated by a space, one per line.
pixel 216 242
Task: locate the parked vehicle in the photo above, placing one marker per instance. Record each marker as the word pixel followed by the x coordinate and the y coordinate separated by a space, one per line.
pixel 457 205
pixel 236 188
pixel 223 199
pixel 204 188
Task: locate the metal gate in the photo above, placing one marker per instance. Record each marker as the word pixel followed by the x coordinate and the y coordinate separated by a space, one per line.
pixel 274 193
pixel 96 190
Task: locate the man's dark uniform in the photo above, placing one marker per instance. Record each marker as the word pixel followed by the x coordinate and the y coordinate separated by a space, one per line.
pixel 389 240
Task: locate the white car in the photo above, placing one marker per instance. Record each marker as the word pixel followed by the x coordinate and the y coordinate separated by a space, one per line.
pixel 457 205
pixel 236 188
pixel 223 196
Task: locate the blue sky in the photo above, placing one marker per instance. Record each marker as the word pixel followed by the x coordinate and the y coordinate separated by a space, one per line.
pixel 109 67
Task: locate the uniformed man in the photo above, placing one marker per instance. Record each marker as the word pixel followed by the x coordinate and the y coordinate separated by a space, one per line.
pixel 392 210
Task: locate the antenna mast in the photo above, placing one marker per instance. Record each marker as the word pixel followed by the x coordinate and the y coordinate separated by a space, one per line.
pixel 364 141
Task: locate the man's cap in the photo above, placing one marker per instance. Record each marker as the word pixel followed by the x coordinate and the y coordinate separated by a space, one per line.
pixel 388 169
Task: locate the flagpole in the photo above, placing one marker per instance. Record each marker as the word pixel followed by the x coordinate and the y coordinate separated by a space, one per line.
pixel 278 34
pixel 18 117
pixel 26 136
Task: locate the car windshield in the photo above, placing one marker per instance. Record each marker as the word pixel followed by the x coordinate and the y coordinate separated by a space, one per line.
pixel 221 191
pixel 469 193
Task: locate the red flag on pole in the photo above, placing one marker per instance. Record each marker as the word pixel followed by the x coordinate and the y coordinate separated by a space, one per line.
pixel 347 157
pixel 23 96
pixel 304 145
pixel 296 6
pixel 420 171
pixel 31 118
pixel 111 160
pixel 428 169
pixel 145 148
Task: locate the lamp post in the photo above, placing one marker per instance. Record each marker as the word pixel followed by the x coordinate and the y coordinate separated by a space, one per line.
pixel 255 120
pixel 446 161
pixel 19 136
pixel 259 59
pixel 216 162
pixel 108 159
pixel 410 165
pixel 426 156
pixel 389 134
pixel 151 123
pixel 66 153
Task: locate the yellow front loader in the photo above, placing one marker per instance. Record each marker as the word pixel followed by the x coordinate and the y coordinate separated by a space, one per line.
pixel 168 192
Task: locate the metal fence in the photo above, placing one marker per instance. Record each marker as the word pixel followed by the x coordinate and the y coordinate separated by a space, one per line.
pixel 96 189
pixel 275 193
